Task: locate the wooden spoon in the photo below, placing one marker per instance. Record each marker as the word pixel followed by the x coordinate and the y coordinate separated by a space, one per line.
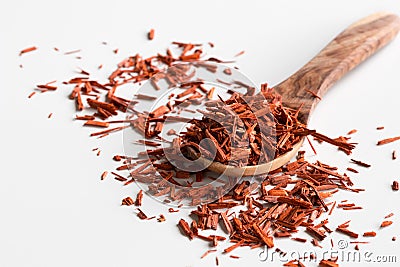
pixel 355 44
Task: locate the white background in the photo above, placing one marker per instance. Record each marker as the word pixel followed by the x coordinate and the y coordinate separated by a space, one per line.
pixel 55 211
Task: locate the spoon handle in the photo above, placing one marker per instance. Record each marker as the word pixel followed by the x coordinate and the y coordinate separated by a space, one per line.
pixel 355 44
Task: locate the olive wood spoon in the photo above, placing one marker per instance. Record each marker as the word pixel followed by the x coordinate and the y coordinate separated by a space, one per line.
pixel 351 47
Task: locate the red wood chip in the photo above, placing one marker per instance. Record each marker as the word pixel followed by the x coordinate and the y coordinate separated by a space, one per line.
pixel 389 215
pixel 352 132
pixel 388 140
pixel 104 175
pixel 27 50
pixel 386 223
pixel 371 234
pixel 208 252
pixel 395 186
pixel 127 201
pixel 150 35
pixel 328 263
pixel 240 53
pixel 139 197
pixel 360 163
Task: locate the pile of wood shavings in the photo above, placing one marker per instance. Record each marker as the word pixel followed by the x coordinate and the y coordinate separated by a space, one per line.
pixel 288 199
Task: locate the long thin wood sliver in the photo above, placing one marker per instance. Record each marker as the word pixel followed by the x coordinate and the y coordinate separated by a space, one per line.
pixel 27 50
pixel 109 130
pixel 150 35
pixel 347 232
pixel 360 163
pixel 369 234
pixel 386 223
pixel 139 198
pixel 352 132
pixel 327 263
pixel 287 200
pixel 388 140
pixel 231 248
pixel 72 52
pixel 352 170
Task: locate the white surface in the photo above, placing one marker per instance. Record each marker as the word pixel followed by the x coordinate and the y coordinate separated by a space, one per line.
pixel 54 209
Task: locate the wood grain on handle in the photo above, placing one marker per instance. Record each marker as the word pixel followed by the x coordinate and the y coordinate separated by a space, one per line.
pixel 346 51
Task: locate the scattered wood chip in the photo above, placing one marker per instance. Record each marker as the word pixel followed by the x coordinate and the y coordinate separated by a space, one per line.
pixel 389 215
pixel 104 175
pixel 386 223
pixel 127 201
pixel 150 35
pixel 395 186
pixel 343 228
pixel 139 197
pixel 231 248
pixel 101 124
pixel 72 52
pixel 369 234
pixel 27 50
pixel 388 140
pixel 171 210
pixel 352 170
pixel 184 226
pixel 328 263
pixel 31 94
pixel 352 132
pixel 360 163
pixel 313 94
pixel 141 214
pixel 298 239
pixel 208 252
pixel 228 71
